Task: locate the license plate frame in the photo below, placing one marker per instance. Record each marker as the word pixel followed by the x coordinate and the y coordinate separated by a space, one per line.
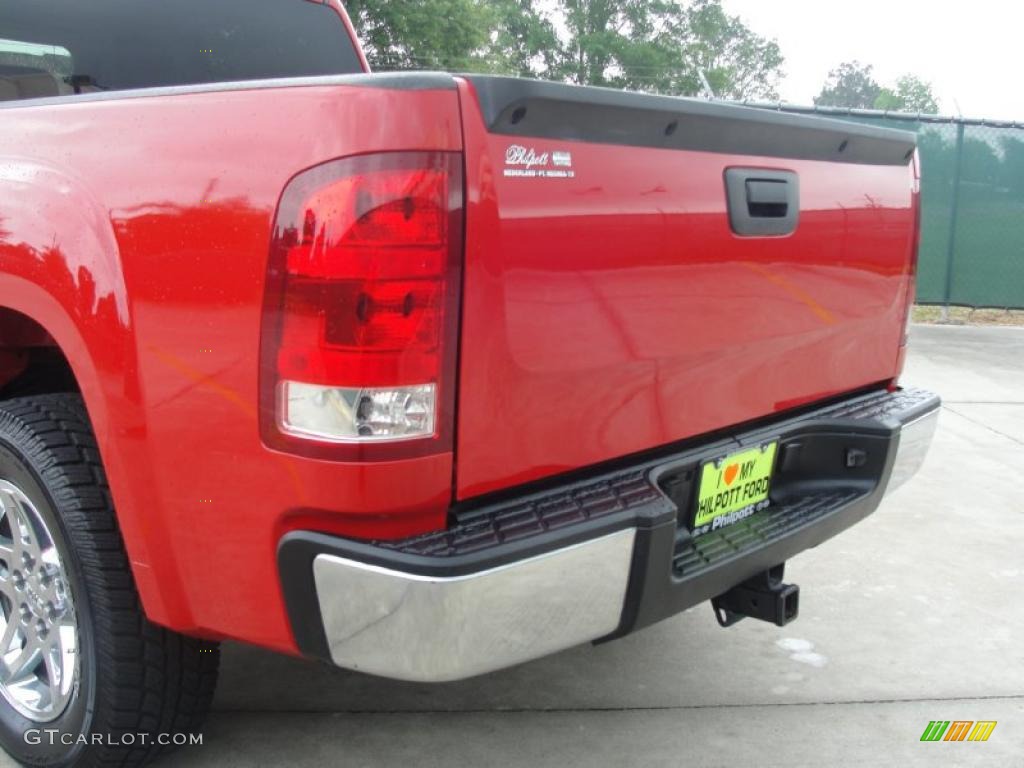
pixel 738 485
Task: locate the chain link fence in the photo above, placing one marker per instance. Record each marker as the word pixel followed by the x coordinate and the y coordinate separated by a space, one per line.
pixel 972 206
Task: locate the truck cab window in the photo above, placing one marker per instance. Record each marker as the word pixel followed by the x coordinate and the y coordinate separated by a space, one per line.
pixel 63 47
pixel 33 70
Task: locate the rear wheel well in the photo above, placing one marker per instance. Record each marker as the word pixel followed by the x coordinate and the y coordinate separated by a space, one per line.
pixel 31 362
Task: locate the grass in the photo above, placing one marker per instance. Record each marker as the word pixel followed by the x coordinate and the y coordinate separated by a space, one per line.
pixel 968 316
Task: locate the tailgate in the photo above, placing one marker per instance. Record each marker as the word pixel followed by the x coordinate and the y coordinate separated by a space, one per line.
pixel 610 307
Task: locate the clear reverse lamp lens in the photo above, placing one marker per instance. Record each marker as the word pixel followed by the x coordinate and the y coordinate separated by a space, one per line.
pixel 354 414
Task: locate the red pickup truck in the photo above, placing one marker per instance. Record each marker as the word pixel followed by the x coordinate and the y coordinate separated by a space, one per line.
pixel 422 375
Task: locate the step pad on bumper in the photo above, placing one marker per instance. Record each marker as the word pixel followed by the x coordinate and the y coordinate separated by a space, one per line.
pixel 621 496
pixel 903 406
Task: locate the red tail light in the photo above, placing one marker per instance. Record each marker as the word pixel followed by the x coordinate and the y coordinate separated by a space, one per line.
pixel 360 318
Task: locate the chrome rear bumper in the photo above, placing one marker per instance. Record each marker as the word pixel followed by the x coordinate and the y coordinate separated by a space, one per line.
pixel 915 438
pixel 425 628
pixel 489 593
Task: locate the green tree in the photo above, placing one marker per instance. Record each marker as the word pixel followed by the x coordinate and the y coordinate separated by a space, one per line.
pixel 852 85
pixel 652 45
pixel 911 94
pixel 664 46
pixel 738 63
pixel 524 41
pixel 424 34
pixel 595 40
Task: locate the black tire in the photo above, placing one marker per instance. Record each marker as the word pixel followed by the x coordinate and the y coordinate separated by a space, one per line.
pixel 136 680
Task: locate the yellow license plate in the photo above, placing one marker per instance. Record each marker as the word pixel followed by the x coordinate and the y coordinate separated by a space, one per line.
pixel 734 488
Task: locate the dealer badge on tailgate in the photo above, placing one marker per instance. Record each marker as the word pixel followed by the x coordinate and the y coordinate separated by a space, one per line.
pixel 734 488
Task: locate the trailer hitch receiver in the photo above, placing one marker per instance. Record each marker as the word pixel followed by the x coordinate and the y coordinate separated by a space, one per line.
pixel 763 596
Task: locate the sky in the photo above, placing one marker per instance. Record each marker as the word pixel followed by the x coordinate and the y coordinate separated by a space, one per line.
pixel 969 51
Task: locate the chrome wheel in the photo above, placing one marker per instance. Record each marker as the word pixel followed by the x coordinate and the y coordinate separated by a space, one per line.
pixel 38 631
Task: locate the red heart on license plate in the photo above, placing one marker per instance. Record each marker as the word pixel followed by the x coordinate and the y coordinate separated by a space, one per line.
pixel 730 473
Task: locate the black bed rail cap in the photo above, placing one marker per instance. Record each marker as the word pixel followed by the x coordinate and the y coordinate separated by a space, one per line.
pixel 535 108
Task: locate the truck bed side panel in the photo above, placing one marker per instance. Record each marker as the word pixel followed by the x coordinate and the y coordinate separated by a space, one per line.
pixel 182 184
